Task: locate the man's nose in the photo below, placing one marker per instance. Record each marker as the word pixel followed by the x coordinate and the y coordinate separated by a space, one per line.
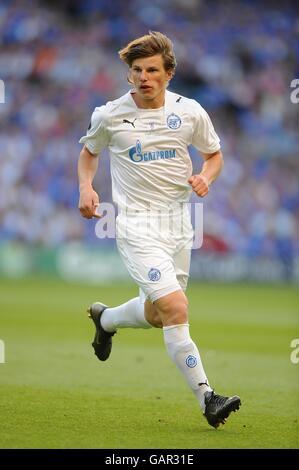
pixel 143 76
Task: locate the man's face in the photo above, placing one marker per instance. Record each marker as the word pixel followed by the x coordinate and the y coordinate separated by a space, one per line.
pixel 149 76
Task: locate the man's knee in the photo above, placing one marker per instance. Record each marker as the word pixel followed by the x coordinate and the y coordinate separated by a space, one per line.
pixel 173 308
pixel 152 315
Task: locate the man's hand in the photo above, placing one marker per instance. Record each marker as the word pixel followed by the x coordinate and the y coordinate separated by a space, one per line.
pixel 200 184
pixel 88 203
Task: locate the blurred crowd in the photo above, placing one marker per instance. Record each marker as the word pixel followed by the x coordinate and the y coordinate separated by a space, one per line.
pixel 58 60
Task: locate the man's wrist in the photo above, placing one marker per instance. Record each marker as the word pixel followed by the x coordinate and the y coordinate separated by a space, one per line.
pixel 206 179
pixel 85 186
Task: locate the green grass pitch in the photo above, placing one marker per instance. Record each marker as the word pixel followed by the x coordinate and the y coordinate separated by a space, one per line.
pixel 54 393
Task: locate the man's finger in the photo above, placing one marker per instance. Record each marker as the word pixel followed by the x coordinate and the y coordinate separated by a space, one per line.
pixel 202 193
pixel 197 182
pixel 96 205
pixel 88 213
pixel 198 179
pixel 199 187
pixel 83 212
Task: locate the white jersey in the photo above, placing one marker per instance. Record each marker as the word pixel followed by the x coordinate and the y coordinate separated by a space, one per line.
pixel 150 162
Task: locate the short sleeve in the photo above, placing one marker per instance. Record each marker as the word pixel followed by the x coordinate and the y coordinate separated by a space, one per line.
pixel 204 137
pixel 96 137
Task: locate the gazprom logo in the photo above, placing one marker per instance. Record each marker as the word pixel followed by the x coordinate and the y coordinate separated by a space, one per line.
pixel 135 152
pixel 136 155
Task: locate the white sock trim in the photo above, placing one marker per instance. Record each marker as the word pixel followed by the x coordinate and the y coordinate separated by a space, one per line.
pixel 169 327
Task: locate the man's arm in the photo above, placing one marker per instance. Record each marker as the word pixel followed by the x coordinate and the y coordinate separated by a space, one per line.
pixel 89 199
pixel 211 169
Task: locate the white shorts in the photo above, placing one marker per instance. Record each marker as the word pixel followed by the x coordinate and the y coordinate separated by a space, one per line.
pixel 156 251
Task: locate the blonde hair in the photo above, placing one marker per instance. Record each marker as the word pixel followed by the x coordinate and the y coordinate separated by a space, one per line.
pixel 147 46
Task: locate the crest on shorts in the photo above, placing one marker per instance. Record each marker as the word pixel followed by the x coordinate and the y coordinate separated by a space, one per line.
pixel 174 121
pixel 191 361
pixel 154 274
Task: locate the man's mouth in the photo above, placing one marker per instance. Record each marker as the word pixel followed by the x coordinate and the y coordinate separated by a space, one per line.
pixel 145 87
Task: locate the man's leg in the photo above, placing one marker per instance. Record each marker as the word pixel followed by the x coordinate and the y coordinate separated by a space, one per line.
pixel 106 320
pixel 152 315
pixel 173 311
pixel 128 315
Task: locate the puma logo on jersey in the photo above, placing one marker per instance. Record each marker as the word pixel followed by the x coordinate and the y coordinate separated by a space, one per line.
pixel 179 99
pixel 126 121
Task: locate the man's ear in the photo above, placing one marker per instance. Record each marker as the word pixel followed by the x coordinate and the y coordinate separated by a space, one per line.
pixel 129 77
pixel 170 74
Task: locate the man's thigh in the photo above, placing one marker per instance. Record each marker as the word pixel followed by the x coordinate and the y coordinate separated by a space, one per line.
pixel 152 257
pixel 182 266
pixel 151 267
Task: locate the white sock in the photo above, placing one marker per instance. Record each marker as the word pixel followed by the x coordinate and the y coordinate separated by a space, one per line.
pixel 128 315
pixel 186 356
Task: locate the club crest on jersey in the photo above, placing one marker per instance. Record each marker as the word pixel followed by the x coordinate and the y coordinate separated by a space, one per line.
pixel 173 121
pixel 191 361
pixel 154 274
